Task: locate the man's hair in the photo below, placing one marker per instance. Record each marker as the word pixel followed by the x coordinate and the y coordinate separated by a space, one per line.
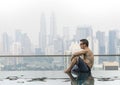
pixel 85 41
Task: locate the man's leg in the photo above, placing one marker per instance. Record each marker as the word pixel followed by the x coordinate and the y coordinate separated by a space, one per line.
pixel 82 66
pixel 73 62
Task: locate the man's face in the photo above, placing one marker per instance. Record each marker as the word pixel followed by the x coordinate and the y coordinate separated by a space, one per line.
pixel 81 45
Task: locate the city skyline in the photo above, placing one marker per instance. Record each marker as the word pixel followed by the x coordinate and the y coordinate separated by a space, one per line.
pixel 23 41
pixel 59 46
pixel 100 15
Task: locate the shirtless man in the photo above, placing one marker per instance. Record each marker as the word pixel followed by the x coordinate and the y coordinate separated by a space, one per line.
pixel 79 64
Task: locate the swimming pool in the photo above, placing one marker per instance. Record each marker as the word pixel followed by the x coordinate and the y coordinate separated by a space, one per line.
pixel 60 78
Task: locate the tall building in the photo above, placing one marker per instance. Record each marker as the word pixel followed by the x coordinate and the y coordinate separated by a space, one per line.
pixel 118 46
pixel 66 38
pixel 84 33
pixel 58 46
pixel 16 49
pixel 112 44
pixel 118 51
pixel 26 44
pixel 113 37
pixel 96 51
pixel 24 40
pixel 42 34
pixel 18 36
pixel 101 39
pixel 5 43
pixel 53 37
pixel 101 45
pixel 53 28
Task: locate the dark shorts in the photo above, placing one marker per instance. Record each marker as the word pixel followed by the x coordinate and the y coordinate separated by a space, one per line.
pixel 80 66
pixel 84 78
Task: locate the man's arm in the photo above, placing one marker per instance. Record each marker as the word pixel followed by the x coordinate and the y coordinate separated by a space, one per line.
pixel 78 53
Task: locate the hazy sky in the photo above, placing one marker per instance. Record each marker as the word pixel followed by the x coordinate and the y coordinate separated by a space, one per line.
pixel 25 14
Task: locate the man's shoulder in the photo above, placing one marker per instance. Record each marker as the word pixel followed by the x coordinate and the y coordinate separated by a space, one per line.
pixel 89 51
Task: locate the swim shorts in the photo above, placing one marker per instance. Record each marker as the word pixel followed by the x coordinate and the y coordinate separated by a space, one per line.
pixel 80 66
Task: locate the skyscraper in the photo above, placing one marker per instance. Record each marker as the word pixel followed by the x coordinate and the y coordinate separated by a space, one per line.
pixel 6 47
pixel 96 51
pixel 101 45
pixel 113 37
pixel 26 44
pixel 42 34
pixel 118 51
pixel 16 49
pixel 24 40
pixel 66 38
pixel 18 36
pixel 53 28
pixel 101 39
pixel 58 46
pixel 112 44
pixel 84 33
pixel 5 43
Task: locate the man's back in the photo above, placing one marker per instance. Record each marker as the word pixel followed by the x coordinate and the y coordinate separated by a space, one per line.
pixel 89 58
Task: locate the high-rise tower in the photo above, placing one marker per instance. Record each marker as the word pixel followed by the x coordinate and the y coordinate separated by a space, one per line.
pixel 85 33
pixel 53 28
pixel 112 44
pixel 42 34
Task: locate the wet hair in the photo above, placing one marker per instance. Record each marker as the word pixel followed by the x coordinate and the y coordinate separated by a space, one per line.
pixel 85 41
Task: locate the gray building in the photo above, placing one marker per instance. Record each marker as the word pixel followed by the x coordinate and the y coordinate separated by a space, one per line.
pixel 53 29
pixel 66 38
pixel 5 43
pixel 112 44
pixel 58 46
pixel 84 33
pixel 24 40
pixel 5 48
pixel 18 36
pixel 26 44
pixel 101 45
pixel 42 34
pixel 101 39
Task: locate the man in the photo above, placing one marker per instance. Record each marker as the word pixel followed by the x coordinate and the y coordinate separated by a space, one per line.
pixel 79 64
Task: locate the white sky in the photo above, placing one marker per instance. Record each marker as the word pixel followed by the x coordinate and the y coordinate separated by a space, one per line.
pixel 25 14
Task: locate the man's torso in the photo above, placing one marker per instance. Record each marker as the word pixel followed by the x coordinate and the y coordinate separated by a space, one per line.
pixel 89 58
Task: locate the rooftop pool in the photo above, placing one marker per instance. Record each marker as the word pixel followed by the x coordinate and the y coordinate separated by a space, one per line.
pixel 59 78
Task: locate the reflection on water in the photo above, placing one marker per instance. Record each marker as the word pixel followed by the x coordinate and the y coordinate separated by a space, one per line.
pixel 81 79
pixel 59 78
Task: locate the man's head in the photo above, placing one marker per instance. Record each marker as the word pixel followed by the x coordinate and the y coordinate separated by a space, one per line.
pixel 84 43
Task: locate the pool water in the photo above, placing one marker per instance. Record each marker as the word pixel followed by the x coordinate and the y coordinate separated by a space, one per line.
pixel 60 78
